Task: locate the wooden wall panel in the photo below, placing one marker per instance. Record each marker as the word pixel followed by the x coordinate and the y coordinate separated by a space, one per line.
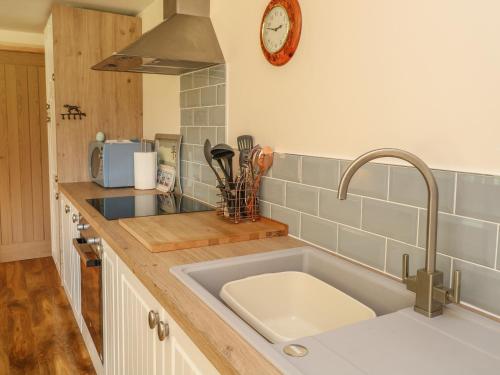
pixel 24 212
pixel 112 101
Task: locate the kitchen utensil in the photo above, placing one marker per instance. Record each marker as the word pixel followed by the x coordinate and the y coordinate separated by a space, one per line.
pixel 224 152
pixel 208 157
pixel 264 162
pixel 254 155
pixel 245 145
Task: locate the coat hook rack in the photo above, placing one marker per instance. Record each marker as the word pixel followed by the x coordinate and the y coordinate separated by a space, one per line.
pixel 73 110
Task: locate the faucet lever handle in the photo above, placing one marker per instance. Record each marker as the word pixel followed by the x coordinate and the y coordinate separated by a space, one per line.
pixel 410 281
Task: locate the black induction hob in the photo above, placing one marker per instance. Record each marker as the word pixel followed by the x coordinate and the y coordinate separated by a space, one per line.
pixel 113 208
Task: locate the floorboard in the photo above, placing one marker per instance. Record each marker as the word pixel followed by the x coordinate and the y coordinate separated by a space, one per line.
pixel 38 333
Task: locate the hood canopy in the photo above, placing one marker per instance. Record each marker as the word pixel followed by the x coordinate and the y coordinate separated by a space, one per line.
pixel 184 42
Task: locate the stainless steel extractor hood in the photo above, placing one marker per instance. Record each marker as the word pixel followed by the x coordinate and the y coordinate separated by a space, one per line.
pixel 184 42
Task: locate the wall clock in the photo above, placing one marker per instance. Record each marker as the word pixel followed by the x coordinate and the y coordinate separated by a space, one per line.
pixel 280 30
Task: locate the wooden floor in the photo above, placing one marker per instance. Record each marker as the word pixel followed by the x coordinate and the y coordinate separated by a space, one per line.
pixel 38 333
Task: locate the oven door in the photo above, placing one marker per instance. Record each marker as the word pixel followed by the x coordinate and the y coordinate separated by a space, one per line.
pixel 91 284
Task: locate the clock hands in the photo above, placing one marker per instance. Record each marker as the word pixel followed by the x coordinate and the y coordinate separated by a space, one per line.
pixel 275 28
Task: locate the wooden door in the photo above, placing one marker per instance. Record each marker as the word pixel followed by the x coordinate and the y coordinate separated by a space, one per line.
pixel 24 187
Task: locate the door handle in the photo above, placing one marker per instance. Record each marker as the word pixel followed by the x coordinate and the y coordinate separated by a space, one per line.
pixel 87 255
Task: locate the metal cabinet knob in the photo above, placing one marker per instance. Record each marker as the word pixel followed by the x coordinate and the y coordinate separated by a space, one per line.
pixel 94 241
pixel 74 218
pixel 163 330
pixel 66 209
pixel 153 319
pixel 82 226
pixel 57 196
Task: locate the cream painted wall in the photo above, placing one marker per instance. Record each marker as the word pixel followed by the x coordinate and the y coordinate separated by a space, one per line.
pixel 418 75
pixel 10 37
pixel 161 103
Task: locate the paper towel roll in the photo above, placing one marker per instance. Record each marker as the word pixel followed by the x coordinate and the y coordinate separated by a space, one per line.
pixel 145 170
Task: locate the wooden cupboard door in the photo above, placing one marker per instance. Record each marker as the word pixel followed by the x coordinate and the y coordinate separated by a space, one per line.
pixel 24 188
pixel 112 101
pixel 141 350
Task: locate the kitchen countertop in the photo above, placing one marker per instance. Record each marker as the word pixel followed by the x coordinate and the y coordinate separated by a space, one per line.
pixel 223 346
pixel 453 343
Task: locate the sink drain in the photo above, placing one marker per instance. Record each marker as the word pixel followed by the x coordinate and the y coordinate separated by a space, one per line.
pixel 295 350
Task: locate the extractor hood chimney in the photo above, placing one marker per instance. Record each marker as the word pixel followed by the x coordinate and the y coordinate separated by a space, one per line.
pixel 184 42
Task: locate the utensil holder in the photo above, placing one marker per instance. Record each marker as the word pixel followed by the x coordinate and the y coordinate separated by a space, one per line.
pixel 239 201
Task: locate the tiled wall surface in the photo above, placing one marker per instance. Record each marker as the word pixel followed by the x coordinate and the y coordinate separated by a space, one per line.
pixel 385 217
pixel 203 115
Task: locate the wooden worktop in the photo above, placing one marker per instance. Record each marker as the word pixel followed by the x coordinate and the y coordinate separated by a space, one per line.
pixel 223 346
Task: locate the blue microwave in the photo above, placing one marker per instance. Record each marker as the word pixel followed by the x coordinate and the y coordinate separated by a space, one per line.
pixel 111 163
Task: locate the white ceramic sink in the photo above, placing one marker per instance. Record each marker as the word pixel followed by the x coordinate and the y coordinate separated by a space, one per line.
pixel 285 306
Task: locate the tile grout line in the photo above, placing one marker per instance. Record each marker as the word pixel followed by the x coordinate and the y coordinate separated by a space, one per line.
pixel 385 255
pixel 418 226
pixel 455 194
pixel 337 244
pixel 496 253
pixel 361 214
pixel 388 181
pixel 451 272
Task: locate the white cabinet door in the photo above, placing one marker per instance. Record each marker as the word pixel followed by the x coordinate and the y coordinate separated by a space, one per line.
pixel 70 260
pixel 131 347
pixel 76 294
pixel 184 358
pixel 52 147
pixel 110 311
pixel 140 349
pixel 64 244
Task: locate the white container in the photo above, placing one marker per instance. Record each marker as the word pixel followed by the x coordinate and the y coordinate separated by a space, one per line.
pixel 145 170
pixel 285 306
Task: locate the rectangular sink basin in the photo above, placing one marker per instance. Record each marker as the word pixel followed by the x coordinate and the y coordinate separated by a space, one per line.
pixel 206 279
pixel 285 306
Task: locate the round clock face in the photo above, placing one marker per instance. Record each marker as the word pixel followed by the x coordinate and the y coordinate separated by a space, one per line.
pixel 275 29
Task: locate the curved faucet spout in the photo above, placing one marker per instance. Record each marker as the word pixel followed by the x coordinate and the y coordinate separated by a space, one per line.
pixel 432 189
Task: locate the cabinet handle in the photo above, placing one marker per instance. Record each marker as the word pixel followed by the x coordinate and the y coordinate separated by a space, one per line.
pixel 66 209
pixel 163 330
pixel 74 218
pixel 48 106
pixel 81 227
pixel 57 196
pixel 48 118
pixel 153 319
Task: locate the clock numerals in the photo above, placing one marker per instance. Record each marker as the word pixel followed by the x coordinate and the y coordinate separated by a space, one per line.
pixel 276 29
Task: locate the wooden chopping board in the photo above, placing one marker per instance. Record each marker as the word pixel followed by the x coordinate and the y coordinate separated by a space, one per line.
pixel 198 229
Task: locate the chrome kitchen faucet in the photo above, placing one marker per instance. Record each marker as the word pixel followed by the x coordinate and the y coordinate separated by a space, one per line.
pixel 431 295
